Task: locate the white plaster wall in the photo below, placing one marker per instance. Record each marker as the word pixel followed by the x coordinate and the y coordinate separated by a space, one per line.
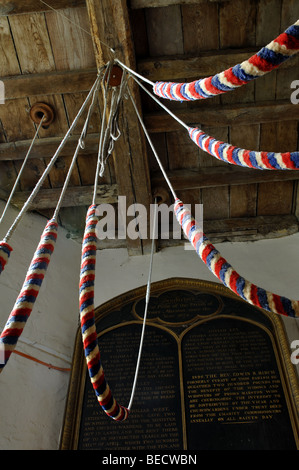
pixel 33 396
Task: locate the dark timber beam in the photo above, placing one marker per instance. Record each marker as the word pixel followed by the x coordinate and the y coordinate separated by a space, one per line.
pixel 16 7
pixel 210 177
pixel 75 197
pixel 110 28
pixel 243 229
pixel 137 4
pixel 203 65
pixel 180 179
pixel 222 116
pixel 46 147
pixel 54 83
pixel 161 122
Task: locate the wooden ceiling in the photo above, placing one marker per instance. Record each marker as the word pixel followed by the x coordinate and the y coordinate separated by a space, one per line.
pixel 52 57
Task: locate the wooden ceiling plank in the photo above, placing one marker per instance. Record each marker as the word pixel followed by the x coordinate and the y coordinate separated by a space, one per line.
pixel 237 21
pixel 278 198
pixel 35 54
pixel 17 7
pixel 16 123
pixel 164 31
pixel 243 197
pixel 73 102
pixel 72 31
pixel 268 27
pixel 32 43
pixel 8 176
pixel 200 28
pixel 110 26
pixel 31 174
pixel 9 64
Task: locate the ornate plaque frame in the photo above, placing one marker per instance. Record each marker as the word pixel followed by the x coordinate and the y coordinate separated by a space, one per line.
pixel 169 318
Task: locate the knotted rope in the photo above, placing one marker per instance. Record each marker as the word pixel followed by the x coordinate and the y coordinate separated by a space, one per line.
pixel 241 157
pixel 226 273
pixel 87 321
pixel 264 61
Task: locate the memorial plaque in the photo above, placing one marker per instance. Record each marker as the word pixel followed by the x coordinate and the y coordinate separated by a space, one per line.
pixel 215 374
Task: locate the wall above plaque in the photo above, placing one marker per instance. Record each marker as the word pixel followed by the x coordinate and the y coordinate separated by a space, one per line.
pixel 215 374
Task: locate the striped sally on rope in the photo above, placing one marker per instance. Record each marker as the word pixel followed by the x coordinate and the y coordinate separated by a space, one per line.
pixel 241 157
pixel 226 273
pixel 87 320
pixel 29 292
pixel 5 250
pixel 264 61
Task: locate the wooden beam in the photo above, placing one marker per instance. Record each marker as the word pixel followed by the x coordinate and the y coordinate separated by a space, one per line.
pixel 203 65
pixel 16 7
pixel 137 4
pixel 210 177
pixel 161 122
pixel 110 28
pixel 243 229
pixel 54 83
pixel 222 116
pixel 46 147
pixel 75 197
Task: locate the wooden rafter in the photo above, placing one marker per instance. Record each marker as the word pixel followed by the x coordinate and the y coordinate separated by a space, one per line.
pixel 137 4
pixel 75 197
pixel 46 147
pixel 220 116
pixel 203 65
pixel 181 180
pixel 223 115
pixel 210 177
pixel 110 28
pixel 16 7
pixel 54 83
